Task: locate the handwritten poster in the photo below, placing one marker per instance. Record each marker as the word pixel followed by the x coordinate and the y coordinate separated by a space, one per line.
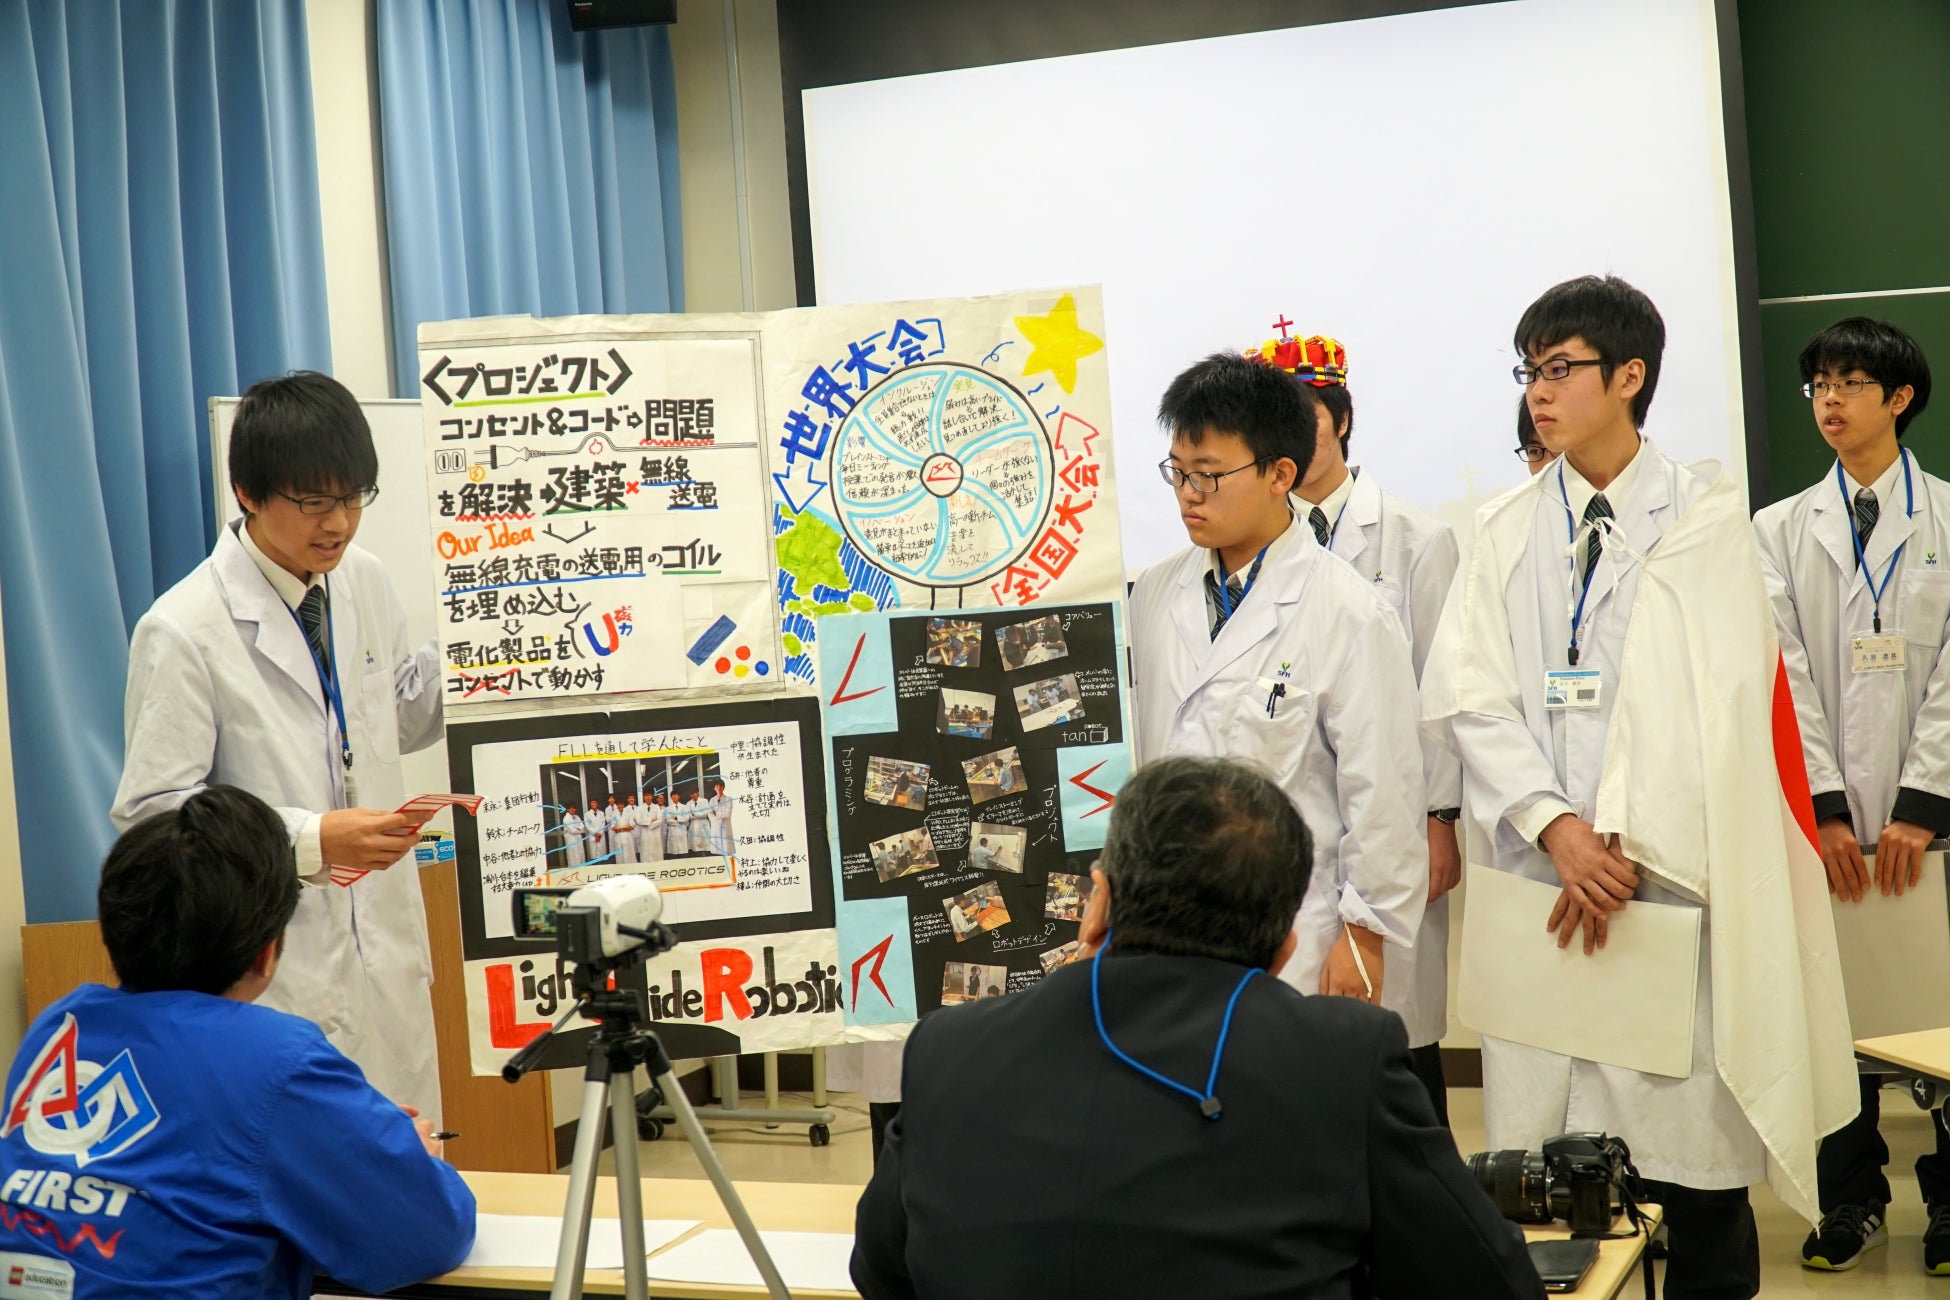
pixel 976 757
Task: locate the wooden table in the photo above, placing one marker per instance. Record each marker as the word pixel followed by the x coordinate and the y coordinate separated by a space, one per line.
pixel 1616 1262
pixel 1925 1054
pixel 786 1207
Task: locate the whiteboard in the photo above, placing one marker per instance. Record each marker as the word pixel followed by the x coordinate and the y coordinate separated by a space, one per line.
pixel 1405 184
pixel 395 529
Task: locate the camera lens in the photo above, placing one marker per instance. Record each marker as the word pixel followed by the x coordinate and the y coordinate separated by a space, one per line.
pixel 1517 1181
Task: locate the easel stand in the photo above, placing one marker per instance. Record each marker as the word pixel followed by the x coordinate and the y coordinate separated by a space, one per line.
pixel 652 1112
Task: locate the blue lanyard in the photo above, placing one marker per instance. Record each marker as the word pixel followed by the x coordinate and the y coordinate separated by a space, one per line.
pixel 1571 541
pixel 1226 603
pixel 328 676
pixel 1208 1104
pixel 1855 535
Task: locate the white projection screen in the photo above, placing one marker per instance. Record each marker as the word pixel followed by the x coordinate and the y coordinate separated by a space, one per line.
pixel 1407 184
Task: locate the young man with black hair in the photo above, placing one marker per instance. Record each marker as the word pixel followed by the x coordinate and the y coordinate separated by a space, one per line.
pixel 1530 448
pixel 214 1148
pixel 1858 566
pixel 1324 1173
pixel 1608 674
pixel 1411 557
pixel 281 665
pixel 1255 643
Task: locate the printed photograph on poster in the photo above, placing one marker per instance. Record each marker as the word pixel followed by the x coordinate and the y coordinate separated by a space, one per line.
pixel 1024 645
pixel 968 714
pixel 906 854
pixel 618 816
pixel 1066 896
pixel 965 981
pixel 979 910
pixel 1063 956
pixel 993 775
pixel 897 784
pixel 995 847
pixel 954 643
pixel 1049 703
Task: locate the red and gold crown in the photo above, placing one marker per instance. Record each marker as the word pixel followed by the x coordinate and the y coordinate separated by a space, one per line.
pixel 1318 359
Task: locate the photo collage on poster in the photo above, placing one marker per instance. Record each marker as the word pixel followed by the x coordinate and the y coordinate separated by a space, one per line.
pixel 959 808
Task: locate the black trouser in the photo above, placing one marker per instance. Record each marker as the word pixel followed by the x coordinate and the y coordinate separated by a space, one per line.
pixel 1427 1063
pixel 879 1115
pixel 1848 1168
pixel 1712 1245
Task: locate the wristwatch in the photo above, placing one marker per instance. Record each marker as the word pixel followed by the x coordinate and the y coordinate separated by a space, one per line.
pixel 1447 816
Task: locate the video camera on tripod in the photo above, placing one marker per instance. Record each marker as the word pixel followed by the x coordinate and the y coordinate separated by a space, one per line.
pixel 607 929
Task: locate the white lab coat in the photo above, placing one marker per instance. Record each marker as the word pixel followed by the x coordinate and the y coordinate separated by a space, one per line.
pixel 650 833
pixel 1411 557
pixel 700 819
pixel 677 830
pixel 1343 741
pixel 575 847
pixel 720 809
pixel 598 828
pixel 623 831
pixel 1684 811
pixel 223 689
pixel 1882 738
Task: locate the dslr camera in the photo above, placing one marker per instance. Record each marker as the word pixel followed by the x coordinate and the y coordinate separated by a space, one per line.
pixel 1583 1178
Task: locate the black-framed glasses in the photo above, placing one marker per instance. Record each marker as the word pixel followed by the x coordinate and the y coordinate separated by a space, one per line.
pixel 1840 387
pixel 320 504
pixel 1555 369
pixel 1531 454
pixel 1203 480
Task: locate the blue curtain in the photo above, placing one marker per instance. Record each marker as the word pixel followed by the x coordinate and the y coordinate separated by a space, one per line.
pixel 529 168
pixel 159 244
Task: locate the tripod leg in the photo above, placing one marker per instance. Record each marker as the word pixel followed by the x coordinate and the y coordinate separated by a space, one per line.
pixel 680 1106
pixel 629 1186
pixel 573 1249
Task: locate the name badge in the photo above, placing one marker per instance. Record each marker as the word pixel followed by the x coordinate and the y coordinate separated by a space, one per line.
pixel 1572 688
pixel 1877 652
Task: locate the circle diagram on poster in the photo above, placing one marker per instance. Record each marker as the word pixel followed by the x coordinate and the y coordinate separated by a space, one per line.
pixel 942 475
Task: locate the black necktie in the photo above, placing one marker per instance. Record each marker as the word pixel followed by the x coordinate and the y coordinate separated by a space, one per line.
pixel 1597 509
pixel 1220 605
pixel 1866 514
pixel 311 614
pixel 1319 520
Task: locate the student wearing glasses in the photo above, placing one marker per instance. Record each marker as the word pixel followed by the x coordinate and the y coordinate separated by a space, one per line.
pixel 1255 643
pixel 1858 566
pixel 1530 448
pixel 281 665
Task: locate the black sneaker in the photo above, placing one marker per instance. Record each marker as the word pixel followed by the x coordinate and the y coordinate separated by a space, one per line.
pixel 1936 1242
pixel 1845 1233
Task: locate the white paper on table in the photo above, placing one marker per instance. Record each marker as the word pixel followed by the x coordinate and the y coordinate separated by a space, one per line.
pixel 530 1241
pixel 813 1261
pixel 1896 955
pixel 1630 1004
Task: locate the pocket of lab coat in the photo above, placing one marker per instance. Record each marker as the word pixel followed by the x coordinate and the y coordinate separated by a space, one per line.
pixel 382 715
pixel 1926 607
pixel 1272 742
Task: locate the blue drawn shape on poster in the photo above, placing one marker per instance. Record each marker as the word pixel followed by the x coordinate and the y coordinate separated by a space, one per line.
pixel 714 636
pixel 942 475
pixel 1088 778
pixel 877 962
pixel 856 675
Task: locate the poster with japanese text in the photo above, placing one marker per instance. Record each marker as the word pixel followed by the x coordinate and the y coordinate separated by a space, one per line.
pixel 975 760
pixel 671 503
pixel 721 804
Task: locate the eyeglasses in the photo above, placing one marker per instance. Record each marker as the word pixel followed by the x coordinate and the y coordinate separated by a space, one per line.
pixel 1555 369
pixel 1532 454
pixel 1840 387
pixel 1203 481
pixel 322 505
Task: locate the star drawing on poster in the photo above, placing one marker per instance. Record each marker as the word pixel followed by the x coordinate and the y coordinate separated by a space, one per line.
pixel 1057 343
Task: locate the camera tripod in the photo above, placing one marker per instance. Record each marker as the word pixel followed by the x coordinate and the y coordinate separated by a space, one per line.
pixel 622 1043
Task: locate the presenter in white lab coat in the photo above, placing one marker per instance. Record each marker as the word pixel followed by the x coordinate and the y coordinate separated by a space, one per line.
pixel 1411 557
pixel 1256 644
pixel 281 665
pixel 1861 559
pixel 1616 555
pixel 575 839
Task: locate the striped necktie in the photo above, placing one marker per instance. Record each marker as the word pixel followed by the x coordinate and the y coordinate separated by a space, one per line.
pixel 1866 514
pixel 311 614
pixel 1319 521
pixel 1598 508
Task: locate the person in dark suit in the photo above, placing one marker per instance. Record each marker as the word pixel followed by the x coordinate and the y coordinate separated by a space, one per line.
pixel 1312 1166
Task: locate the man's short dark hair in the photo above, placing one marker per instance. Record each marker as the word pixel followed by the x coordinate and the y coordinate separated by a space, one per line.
pixel 1615 319
pixel 1340 406
pixel 300 434
pixel 1206 857
pixel 1226 393
pixel 1884 352
pixel 189 897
